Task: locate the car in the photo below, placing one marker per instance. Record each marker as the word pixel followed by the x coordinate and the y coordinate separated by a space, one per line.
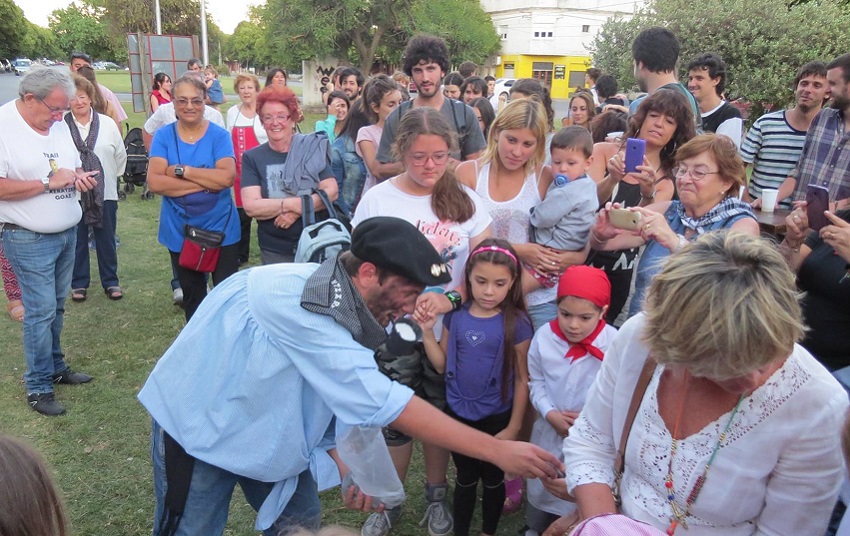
pixel 109 66
pixel 21 66
pixel 503 87
pixel 47 63
pixel 5 66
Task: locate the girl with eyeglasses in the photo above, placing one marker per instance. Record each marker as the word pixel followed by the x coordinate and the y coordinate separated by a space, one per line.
pixel 455 221
pixel 709 173
pixel 193 167
pixel 275 172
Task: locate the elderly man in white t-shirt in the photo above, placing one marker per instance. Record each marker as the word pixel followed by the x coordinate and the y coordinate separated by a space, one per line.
pixel 40 175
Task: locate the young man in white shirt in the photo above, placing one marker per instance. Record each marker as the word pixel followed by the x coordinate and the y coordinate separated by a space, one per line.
pixel 707 82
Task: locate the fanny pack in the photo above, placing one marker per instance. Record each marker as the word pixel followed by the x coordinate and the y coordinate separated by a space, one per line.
pixel 201 249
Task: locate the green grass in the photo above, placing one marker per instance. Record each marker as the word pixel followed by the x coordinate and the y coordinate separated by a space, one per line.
pixel 100 450
pixel 119 82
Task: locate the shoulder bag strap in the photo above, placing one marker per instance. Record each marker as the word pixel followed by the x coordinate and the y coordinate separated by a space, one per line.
pixel 308 216
pixel 637 398
pixel 329 206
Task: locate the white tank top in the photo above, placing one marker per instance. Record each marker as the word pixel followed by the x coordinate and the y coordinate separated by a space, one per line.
pixel 511 218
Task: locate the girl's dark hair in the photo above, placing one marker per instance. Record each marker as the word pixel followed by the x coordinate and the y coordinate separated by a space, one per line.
pixel 533 88
pixel 449 201
pixel 29 500
pixel 513 308
pixel 476 82
pixel 100 104
pixel 453 79
pixel 374 91
pixel 274 71
pixel 338 95
pixel 607 122
pixel 159 79
pixel 672 103
pixel 356 119
pixel 488 115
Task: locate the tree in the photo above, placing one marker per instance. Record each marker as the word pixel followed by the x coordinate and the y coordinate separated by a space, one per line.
pixel 40 42
pixel 13 29
pixel 80 26
pixel 358 31
pixel 762 41
pixel 248 45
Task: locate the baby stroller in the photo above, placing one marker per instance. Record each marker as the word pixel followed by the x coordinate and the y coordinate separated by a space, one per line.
pixel 137 166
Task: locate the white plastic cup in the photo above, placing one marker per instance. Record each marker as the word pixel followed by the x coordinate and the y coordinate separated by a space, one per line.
pixel 768 200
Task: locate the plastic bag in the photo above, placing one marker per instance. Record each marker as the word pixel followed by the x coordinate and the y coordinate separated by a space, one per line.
pixel 365 452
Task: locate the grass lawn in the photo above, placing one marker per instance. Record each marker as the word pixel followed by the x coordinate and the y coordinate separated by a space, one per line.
pixel 119 82
pixel 100 449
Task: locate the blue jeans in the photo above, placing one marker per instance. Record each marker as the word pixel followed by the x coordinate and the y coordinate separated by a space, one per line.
pixel 542 313
pixel 107 254
pixel 208 502
pixel 43 264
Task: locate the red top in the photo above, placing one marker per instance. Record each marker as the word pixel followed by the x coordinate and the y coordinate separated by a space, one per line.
pixel 159 98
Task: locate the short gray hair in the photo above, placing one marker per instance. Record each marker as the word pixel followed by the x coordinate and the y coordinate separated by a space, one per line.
pixel 193 78
pixel 41 81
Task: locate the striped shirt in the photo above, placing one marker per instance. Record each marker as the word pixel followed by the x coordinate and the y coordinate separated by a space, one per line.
pixel 826 157
pixel 773 147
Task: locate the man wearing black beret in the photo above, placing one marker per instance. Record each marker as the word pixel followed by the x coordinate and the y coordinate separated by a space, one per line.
pixel 247 392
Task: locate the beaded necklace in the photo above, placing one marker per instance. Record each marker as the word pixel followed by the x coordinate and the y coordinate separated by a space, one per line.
pixel 680 515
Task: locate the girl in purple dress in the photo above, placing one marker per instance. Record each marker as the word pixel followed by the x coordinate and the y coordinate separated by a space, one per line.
pixel 484 360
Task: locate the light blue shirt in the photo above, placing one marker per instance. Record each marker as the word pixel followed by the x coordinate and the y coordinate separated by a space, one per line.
pixel 252 383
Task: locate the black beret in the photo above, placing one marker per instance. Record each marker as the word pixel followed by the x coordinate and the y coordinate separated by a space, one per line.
pixel 397 246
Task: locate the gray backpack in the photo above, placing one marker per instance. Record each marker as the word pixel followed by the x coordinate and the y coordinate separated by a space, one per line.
pixel 325 239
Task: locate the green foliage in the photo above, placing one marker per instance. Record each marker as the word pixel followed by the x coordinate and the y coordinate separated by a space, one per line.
pixel 763 42
pixel 249 45
pixel 40 42
pixel 13 29
pixel 359 31
pixel 81 27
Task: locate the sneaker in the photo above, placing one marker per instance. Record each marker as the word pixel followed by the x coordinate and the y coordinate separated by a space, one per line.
pixel 45 403
pixel 177 296
pixel 379 524
pixel 69 377
pixel 438 515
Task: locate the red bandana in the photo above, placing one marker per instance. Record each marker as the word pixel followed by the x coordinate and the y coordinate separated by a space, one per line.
pixel 580 349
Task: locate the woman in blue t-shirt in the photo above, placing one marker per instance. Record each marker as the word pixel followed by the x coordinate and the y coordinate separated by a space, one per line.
pixel 192 167
pixel 484 358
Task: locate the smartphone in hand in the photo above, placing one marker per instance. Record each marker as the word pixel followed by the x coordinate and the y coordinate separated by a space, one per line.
pixel 622 218
pixel 817 202
pixel 635 151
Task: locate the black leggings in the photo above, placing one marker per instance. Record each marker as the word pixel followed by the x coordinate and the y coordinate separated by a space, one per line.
pixel 470 471
pixel 194 284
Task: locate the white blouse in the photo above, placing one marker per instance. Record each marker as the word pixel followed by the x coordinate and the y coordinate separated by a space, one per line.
pixel 777 473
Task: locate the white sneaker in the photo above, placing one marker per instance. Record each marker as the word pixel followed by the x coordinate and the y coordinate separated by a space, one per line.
pixel 379 524
pixel 177 296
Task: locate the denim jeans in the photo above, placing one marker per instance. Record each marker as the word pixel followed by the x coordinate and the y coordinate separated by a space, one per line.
pixel 43 264
pixel 107 254
pixel 208 502
pixel 542 313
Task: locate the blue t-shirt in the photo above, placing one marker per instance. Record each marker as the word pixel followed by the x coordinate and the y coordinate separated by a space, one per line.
pixel 215 93
pixel 474 363
pixel 213 211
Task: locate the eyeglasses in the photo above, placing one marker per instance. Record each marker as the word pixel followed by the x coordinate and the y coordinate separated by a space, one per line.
pixel 420 159
pixel 54 110
pixel 185 102
pixel 696 174
pixel 270 119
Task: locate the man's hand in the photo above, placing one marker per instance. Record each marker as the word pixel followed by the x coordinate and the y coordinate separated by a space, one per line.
pixel 524 459
pixel 354 499
pixel 85 181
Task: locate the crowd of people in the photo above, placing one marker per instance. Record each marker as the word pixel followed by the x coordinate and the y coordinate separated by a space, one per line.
pixel 619 334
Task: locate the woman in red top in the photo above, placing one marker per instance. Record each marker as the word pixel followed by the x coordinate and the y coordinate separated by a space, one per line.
pixel 161 93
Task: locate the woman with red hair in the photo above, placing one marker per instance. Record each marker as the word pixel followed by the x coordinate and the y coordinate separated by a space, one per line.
pixel 275 172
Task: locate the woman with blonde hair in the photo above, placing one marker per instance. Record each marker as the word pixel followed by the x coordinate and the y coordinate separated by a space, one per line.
pixel 30 502
pixel 737 426
pixel 582 110
pixel 512 180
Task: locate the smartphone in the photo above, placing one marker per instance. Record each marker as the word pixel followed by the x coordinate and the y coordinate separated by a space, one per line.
pixel 622 218
pixel 817 201
pixel 635 151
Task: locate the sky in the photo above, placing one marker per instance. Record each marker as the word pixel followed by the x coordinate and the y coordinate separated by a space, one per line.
pixel 226 13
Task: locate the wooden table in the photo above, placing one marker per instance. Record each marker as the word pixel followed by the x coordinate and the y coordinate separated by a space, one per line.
pixel 772 223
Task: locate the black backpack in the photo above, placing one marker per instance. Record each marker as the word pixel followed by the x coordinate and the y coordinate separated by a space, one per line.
pixel 137 157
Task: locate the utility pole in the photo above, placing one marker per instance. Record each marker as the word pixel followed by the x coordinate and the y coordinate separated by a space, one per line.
pixel 204 44
pixel 158 18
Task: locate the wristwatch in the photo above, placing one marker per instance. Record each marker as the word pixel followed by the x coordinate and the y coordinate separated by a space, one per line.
pixel 455 298
pixel 178 170
pixel 46 181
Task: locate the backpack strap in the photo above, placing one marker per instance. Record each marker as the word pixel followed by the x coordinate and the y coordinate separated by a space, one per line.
pixel 329 206
pixel 308 214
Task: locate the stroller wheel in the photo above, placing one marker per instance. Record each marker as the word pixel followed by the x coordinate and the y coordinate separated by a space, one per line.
pixel 129 188
pixel 122 196
pixel 148 195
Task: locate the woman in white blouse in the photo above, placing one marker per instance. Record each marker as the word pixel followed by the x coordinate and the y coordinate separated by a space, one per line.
pixel 731 391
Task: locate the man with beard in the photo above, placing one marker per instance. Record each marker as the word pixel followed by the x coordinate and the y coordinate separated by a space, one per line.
pixel 426 60
pixel 775 141
pixel 655 52
pixel 825 159
pixel 351 82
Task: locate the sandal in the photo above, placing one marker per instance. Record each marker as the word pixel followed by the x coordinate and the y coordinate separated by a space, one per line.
pixel 78 294
pixel 114 293
pixel 15 308
pixel 513 496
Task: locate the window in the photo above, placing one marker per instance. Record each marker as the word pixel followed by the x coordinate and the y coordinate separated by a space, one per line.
pixel 543 34
pixel 548 34
pixel 542 70
pixel 536 34
pixel 585 28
